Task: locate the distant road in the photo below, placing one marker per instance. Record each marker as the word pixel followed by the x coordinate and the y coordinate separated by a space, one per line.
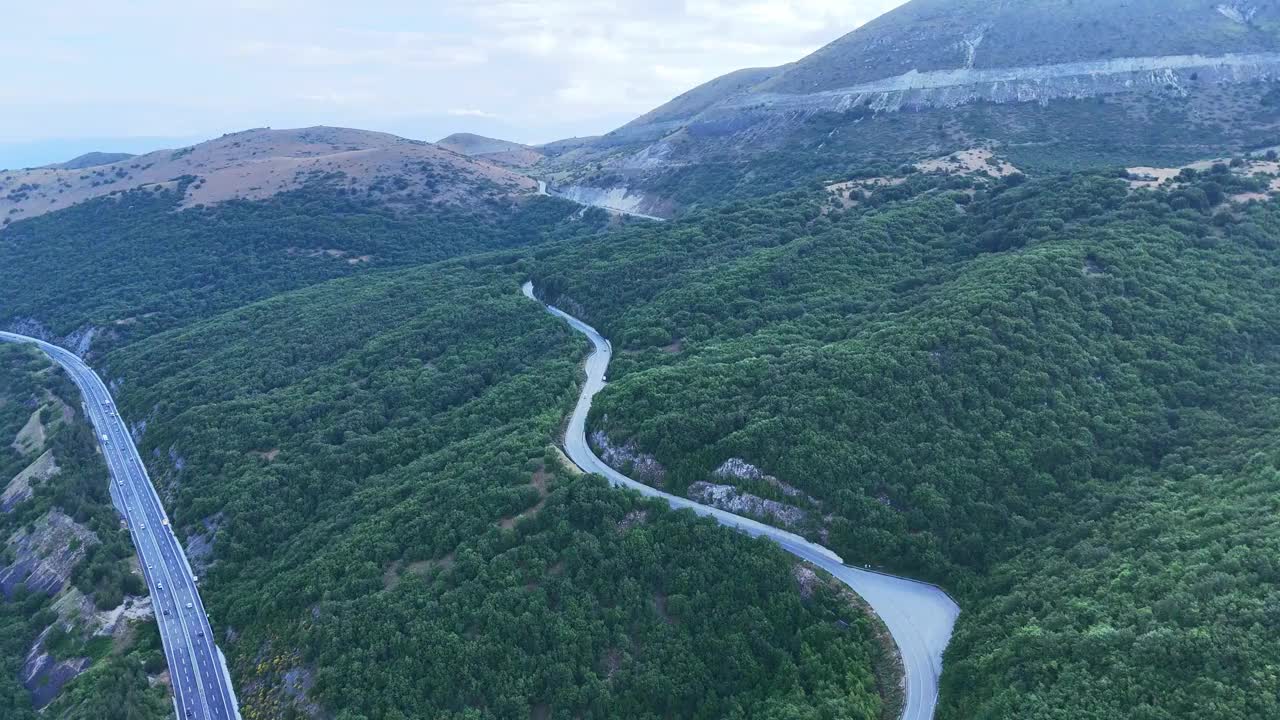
pixel 919 616
pixel 201 685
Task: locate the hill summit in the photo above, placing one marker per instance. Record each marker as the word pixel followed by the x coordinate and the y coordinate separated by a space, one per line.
pixel 257 164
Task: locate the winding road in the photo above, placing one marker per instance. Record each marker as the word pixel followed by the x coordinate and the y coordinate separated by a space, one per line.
pixel 919 616
pixel 202 687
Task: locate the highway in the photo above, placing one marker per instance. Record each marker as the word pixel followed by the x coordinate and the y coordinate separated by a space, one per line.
pixel 202 687
pixel 920 617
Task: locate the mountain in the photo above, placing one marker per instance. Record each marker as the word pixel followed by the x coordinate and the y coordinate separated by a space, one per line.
pixel 91 159
pixel 499 152
pixel 1051 85
pixel 261 163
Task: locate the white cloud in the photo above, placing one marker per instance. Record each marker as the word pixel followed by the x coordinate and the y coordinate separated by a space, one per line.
pixel 470 112
pixel 531 68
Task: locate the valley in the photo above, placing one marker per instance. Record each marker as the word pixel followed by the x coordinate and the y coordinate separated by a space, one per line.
pixel 931 375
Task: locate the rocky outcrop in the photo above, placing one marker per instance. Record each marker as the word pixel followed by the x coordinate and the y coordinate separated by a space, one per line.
pixel 199 546
pixel 727 497
pixel 78 341
pixel 618 199
pixel 45 557
pixel 1239 11
pixel 44 676
pixel 31 327
pixel 628 458
pixel 739 469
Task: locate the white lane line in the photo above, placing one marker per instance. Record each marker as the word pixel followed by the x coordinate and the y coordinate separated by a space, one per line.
pixel 90 386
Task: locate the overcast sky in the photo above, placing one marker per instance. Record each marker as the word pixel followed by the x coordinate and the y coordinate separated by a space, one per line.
pixel 137 74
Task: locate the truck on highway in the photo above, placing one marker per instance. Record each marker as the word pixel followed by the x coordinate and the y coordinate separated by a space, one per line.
pixel 105 441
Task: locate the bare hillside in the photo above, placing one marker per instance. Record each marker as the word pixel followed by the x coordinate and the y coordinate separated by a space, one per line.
pixel 257 164
pixel 492 150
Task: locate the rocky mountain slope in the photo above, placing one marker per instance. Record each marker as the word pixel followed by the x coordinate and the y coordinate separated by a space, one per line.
pixel 257 164
pixel 1091 82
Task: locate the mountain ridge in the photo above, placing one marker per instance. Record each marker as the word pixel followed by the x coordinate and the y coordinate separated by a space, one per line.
pixel 259 163
pixel 1075 78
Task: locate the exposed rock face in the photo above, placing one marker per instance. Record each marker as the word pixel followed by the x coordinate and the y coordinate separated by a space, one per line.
pixel 45 558
pixel 1040 84
pixel 642 467
pixel 44 676
pixel 114 621
pixel 199 546
pixel 31 327
pixel 727 497
pixel 19 488
pixel 1241 12
pixel 80 340
pixel 618 199
pixel 806 579
pixel 742 470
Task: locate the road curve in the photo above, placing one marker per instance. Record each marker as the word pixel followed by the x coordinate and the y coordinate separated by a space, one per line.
pixel 919 616
pixel 202 687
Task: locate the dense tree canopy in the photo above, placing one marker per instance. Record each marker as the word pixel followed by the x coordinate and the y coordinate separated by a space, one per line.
pixel 1055 397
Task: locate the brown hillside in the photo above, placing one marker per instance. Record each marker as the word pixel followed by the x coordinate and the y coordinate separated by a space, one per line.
pixel 257 164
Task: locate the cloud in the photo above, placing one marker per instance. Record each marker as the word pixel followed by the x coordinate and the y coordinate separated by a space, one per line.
pixel 547 67
pixel 470 112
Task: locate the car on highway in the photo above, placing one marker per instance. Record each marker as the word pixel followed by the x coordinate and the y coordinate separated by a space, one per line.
pixel 189 606
pixel 160 585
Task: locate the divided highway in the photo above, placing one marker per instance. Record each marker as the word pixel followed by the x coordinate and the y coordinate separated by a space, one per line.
pixel 201 684
pixel 919 616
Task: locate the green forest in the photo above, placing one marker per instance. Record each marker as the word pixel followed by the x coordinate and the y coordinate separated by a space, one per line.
pixel 1054 395
pixel 132 264
pixel 393 526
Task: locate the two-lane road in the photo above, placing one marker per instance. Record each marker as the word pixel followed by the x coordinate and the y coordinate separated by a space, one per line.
pixel 919 616
pixel 201 686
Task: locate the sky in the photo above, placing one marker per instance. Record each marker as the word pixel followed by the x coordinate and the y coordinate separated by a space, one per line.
pixel 135 75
